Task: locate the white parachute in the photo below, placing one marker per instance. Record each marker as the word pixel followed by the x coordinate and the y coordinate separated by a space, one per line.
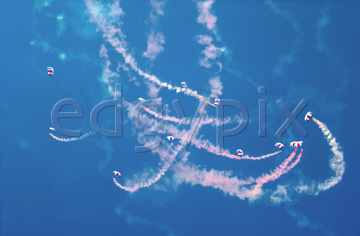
pixel 240 152
pixel 308 116
pixel 117 173
pixel 296 144
pixel 50 71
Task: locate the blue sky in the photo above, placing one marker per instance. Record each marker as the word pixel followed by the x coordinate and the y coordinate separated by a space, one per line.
pixel 297 49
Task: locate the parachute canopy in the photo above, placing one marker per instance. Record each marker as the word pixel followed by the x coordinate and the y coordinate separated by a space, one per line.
pixel 170 138
pixel 117 173
pixel 183 84
pixel 308 116
pixel 50 71
pixel 217 101
pixel 279 145
pixel 296 144
pixel 240 152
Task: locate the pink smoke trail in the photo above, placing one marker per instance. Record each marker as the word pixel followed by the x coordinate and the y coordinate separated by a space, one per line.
pixel 282 169
pixel 73 139
pixel 277 173
pixel 293 164
pixel 217 179
pixel 221 180
pixel 231 184
pixel 205 144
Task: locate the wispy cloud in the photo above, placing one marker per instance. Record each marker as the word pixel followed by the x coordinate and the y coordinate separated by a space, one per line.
pixel 304 222
pixel 42 44
pixel 321 24
pixel 108 76
pixel 40 4
pixel 155 39
pixel 62 56
pixel 291 56
pixel 216 87
pixel 46 47
pixel 131 218
pixel 158 6
pixel 205 16
pixel 155 43
pixel 153 90
pixel 157 10
pixel 61 24
pixel 280 195
pixel 210 53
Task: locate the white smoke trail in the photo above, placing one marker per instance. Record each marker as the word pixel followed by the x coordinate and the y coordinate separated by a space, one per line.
pixel 116 38
pixel 337 164
pixel 73 139
pixel 206 121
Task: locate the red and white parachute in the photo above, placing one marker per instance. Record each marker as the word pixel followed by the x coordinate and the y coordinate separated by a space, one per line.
pixel 170 138
pixel 308 116
pixel 51 128
pixel 117 173
pixel 50 71
pixel 296 144
pixel 240 152
pixel 217 101
pixel 183 84
pixel 141 99
pixel 279 145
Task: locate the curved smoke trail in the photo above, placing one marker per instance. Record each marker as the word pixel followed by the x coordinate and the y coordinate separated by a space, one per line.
pixel 116 38
pixel 167 160
pixel 204 144
pixel 146 184
pixel 208 146
pixel 229 184
pixel 73 139
pixel 282 169
pixel 337 163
